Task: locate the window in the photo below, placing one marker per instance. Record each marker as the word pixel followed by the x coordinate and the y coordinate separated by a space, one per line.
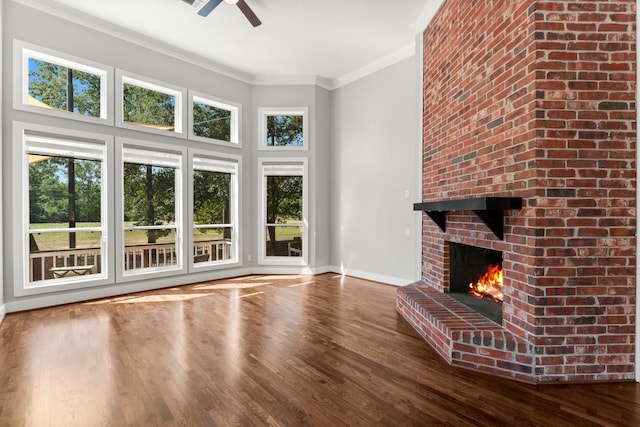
pixel 151 210
pixel 215 211
pixel 64 233
pixel 284 224
pixel 52 83
pixel 213 120
pixel 284 128
pixel 149 106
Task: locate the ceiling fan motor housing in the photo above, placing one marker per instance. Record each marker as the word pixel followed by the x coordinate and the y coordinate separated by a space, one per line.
pixel 195 3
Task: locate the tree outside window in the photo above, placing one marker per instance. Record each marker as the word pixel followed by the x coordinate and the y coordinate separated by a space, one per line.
pixel 64 216
pixel 284 130
pixel 284 215
pixel 149 203
pixel 61 88
pixel 146 107
pixel 212 215
pixel 211 122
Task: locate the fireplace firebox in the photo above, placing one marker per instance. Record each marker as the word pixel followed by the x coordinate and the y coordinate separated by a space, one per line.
pixel 470 270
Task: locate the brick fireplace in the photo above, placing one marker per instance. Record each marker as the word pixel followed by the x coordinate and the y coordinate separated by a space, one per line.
pixel 534 100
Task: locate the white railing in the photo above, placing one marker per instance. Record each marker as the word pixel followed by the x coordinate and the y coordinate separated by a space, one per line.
pixel 211 250
pixel 149 255
pixel 47 264
pixel 52 264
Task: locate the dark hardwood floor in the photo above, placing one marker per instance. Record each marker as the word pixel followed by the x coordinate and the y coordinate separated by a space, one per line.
pixel 264 350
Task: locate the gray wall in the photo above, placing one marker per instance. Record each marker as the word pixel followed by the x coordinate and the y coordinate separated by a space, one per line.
pixel 375 160
pixel 363 155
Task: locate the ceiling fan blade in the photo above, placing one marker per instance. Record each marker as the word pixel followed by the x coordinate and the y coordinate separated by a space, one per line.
pixel 207 8
pixel 244 7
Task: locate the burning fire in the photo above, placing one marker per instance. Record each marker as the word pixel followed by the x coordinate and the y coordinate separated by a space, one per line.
pixel 489 285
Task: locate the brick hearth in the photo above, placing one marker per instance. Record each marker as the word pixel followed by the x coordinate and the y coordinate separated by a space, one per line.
pixel 462 336
pixel 534 99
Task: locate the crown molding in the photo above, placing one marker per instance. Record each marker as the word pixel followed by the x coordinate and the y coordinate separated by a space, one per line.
pixel 384 62
pixel 292 80
pixel 427 15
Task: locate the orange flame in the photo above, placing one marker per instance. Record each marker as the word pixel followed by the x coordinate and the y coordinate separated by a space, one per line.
pixel 489 285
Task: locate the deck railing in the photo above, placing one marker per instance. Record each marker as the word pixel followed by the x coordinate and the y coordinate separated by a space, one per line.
pixel 44 265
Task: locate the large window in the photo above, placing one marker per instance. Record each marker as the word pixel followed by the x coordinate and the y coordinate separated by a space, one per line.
pixel 213 120
pixel 151 210
pixel 284 128
pixel 284 221
pixel 49 82
pixel 149 106
pixel 65 215
pixel 215 211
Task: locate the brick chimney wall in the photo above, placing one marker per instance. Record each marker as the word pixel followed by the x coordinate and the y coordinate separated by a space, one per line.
pixel 536 99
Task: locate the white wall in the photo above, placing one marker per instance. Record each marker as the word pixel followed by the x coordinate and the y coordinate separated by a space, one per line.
pixel 376 176
pixel 2 306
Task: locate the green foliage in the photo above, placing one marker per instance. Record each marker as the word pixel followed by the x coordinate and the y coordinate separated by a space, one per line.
pixel 48 83
pixel 211 197
pixel 149 197
pixel 284 202
pixel 211 122
pixel 147 107
pixel 284 199
pixel 284 130
pixel 49 190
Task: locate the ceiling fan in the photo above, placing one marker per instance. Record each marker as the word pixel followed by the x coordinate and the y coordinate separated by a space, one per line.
pixel 212 4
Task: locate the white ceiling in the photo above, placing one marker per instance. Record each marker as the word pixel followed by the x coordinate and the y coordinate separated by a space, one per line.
pixel 335 41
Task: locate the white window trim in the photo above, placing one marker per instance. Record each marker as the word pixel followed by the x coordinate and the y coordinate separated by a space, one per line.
pixel 283 167
pixel 264 112
pixel 22 51
pixel 22 286
pixel 236 118
pixel 181 178
pixel 178 92
pixel 236 185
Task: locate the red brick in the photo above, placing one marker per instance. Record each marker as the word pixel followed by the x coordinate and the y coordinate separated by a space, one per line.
pixel 567 107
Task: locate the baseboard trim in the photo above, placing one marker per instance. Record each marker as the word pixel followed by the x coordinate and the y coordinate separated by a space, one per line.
pixel 53 299
pixel 389 280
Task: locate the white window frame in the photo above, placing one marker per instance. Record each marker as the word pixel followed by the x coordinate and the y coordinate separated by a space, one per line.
pixel 178 92
pixel 265 112
pixel 291 166
pixel 22 51
pixel 205 160
pixel 158 155
pixel 236 118
pixel 63 142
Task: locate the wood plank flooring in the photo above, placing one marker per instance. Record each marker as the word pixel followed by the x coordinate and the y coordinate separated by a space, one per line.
pixel 319 350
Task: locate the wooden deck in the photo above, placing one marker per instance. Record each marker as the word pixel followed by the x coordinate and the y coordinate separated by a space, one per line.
pixel 264 350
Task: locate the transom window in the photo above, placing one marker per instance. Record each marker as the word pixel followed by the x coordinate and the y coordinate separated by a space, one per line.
pixel 149 106
pixel 53 83
pixel 213 120
pixel 284 128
